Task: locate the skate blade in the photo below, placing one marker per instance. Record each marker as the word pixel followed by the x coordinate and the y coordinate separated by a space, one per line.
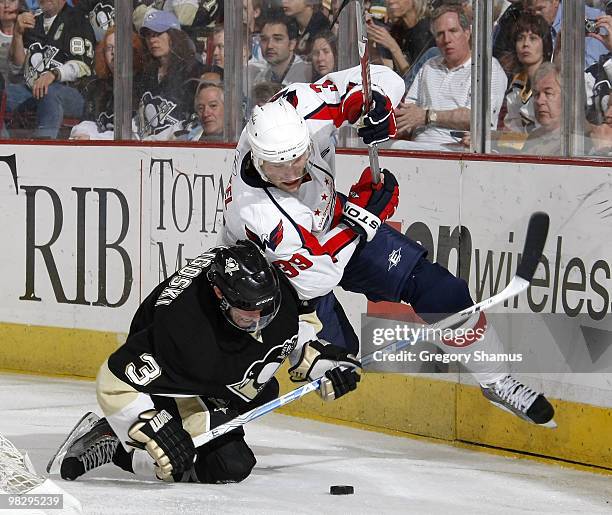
pixel 551 424
pixel 82 426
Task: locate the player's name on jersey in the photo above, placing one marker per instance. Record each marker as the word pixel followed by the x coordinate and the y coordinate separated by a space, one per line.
pixel 183 278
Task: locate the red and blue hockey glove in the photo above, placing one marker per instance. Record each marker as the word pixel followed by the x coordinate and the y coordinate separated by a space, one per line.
pixel 366 199
pixel 378 124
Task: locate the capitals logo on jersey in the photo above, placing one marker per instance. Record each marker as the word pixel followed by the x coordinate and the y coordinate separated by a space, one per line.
pixel 155 114
pixel 272 241
pixel 40 59
pixel 261 371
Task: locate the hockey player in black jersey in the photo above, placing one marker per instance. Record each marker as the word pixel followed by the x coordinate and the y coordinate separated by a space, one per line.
pixel 203 347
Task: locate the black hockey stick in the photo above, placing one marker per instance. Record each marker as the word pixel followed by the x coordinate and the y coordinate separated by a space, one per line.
pixel 364 63
pixel 537 231
pixel 366 83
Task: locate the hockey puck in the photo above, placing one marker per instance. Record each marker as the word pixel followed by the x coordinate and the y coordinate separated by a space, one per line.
pixel 341 490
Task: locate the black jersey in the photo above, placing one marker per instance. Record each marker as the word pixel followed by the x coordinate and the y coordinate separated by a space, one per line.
pixel 70 38
pixel 180 342
pixel 100 13
pixel 169 101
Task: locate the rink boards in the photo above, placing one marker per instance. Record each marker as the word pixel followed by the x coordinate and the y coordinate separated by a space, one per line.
pixel 87 232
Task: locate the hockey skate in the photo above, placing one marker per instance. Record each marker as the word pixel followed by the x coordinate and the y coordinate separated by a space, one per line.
pixel 513 396
pixel 91 444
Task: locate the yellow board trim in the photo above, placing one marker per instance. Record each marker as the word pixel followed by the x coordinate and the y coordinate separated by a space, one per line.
pixel 55 350
pixel 409 405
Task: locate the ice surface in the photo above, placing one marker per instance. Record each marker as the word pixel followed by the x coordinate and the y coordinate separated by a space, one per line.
pixel 297 461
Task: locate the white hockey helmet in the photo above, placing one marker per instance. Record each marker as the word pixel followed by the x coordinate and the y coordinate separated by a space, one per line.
pixel 277 133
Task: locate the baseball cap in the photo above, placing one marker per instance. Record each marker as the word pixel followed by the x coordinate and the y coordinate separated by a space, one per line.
pixel 160 21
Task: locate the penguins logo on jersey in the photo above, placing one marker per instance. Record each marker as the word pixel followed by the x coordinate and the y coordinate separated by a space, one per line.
pixel 260 372
pixel 105 122
pixel 39 60
pixel 155 114
pixel 102 18
pixel 231 266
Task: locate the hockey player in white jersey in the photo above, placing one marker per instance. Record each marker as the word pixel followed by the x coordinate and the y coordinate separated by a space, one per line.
pixel 282 196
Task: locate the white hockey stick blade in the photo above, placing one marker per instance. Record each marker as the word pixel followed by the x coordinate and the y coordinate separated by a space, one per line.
pixel 256 412
pixel 82 426
pixel 537 232
pixel 516 286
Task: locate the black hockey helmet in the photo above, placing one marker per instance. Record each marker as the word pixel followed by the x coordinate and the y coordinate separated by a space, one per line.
pixel 247 282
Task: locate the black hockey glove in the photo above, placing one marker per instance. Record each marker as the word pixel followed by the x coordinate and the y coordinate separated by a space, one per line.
pixel 316 359
pixel 379 122
pixel 339 381
pixel 366 199
pixel 164 438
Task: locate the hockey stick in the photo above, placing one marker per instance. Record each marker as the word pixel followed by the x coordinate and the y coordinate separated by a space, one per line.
pixel 537 231
pixel 257 412
pixel 366 83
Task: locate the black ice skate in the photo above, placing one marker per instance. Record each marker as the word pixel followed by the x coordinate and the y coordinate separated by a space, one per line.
pixel 91 444
pixel 513 396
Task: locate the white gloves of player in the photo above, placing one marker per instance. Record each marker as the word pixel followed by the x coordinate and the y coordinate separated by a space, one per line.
pixel 318 359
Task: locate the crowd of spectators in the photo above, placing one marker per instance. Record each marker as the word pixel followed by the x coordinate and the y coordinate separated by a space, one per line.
pixel 56 67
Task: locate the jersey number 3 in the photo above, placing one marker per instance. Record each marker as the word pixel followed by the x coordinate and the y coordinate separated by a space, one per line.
pixel 146 373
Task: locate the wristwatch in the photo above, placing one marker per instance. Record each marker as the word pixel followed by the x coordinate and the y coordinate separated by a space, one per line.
pixel 56 74
pixel 431 117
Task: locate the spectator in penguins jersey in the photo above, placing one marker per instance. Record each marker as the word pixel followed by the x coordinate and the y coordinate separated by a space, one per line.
pixel 99 116
pixel 100 13
pixel 203 347
pixel 206 123
pixel 56 50
pixel 168 85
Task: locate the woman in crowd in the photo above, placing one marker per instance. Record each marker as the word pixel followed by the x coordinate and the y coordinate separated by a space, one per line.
pixel 409 36
pixel 324 54
pixel 168 80
pixel 533 46
pixel 99 107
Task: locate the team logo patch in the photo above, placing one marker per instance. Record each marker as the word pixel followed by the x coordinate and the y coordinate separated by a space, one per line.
pixel 276 236
pixel 261 371
pixel 272 241
pixel 102 18
pixel 394 258
pixel 155 114
pixel 231 266
pixel 40 59
pixel 105 122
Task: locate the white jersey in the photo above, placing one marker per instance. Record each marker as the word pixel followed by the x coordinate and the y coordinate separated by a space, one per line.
pixel 301 232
